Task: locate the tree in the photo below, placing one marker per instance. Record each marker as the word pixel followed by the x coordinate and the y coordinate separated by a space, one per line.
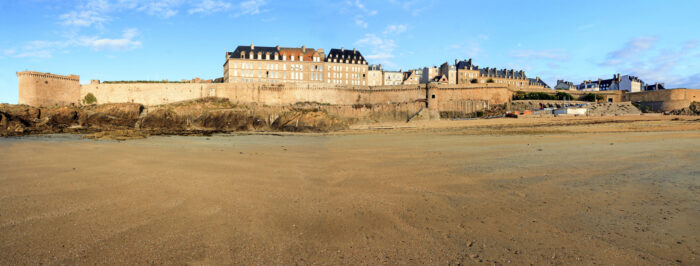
pixel 490 80
pixel 474 81
pixel 90 98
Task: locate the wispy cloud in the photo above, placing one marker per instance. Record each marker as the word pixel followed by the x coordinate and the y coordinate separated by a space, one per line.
pixel 554 54
pixel 362 12
pixel 360 21
pixel 633 48
pixel 636 58
pixel 84 18
pixel 380 49
pixel 125 43
pixel 395 29
pixel 250 7
pixel 209 6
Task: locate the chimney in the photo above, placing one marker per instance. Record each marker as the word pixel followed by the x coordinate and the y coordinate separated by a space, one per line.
pixel 303 48
pixel 456 62
pixel 618 77
pixel 252 47
pixel 354 51
pixel 278 47
pixel 342 49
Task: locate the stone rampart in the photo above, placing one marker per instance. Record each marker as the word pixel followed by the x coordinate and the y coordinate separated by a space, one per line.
pixel 664 100
pixel 46 89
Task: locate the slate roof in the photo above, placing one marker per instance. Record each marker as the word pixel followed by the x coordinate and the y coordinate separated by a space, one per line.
pixel 343 54
pixel 272 50
pixel 538 82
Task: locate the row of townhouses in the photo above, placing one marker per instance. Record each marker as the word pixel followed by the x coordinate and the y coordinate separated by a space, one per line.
pixel 273 65
pixel 617 83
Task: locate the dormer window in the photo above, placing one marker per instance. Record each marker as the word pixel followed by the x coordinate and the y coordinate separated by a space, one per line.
pixel 267 56
pixel 292 58
pixel 284 57
pixel 276 56
pixel 301 58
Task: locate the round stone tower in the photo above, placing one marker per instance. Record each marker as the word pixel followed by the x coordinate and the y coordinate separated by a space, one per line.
pixel 46 89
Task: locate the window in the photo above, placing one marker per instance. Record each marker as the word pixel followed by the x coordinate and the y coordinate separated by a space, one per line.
pixel 292 58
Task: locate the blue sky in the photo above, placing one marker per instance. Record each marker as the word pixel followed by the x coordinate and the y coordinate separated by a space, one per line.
pixel 176 39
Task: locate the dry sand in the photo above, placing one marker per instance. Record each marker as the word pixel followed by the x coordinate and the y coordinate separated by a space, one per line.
pixel 568 191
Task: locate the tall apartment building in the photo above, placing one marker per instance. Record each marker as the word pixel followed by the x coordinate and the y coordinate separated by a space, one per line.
pixel 346 67
pixel 392 77
pixel 374 75
pixel 429 73
pixel 622 83
pixel 450 72
pixel 272 65
pixel 467 72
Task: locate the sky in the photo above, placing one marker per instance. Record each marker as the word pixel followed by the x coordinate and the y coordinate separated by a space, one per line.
pixel 179 39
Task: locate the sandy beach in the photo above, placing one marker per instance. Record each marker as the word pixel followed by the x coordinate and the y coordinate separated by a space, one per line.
pixel 620 191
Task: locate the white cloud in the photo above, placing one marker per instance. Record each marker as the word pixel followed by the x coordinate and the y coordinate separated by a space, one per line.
pixel 554 54
pixel 633 48
pixel 160 8
pixel 250 7
pixel 380 49
pixel 359 21
pixel 664 66
pixel 83 18
pixel 395 29
pixel 362 12
pixel 125 43
pixel 209 6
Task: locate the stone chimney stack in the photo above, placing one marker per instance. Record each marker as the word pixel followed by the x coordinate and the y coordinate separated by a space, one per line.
pixel 278 47
pixel 354 51
pixel 618 77
pixel 252 47
pixel 303 48
pixel 342 49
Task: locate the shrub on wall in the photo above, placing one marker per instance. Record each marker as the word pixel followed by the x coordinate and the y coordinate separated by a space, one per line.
pixel 474 81
pixel 560 95
pixel 489 80
pixel 89 99
pixel 591 97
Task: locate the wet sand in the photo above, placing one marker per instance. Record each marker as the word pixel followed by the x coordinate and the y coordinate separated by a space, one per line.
pixel 438 196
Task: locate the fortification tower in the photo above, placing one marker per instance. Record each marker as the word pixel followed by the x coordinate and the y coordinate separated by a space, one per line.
pixel 46 89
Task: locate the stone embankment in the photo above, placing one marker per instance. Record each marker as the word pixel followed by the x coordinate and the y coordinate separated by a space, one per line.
pixel 693 109
pixel 203 116
pixel 597 109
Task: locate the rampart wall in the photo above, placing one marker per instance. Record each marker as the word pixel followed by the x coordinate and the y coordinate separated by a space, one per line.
pixel 45 89
pixel 664 100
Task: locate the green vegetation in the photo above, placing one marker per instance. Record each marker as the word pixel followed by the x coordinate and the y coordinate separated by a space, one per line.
pixel 90 99
pixel 591 97
pixel 490 80
pixel 474 81
pixel 641 107
pixel 560 95
pixel 521 95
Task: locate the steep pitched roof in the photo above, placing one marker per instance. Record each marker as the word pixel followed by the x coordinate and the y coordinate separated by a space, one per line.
pixel 288 51
pixel 342 54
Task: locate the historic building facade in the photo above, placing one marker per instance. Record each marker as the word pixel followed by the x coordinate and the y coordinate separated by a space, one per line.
pixel 467 73
pixel 273 65
pixel 346 67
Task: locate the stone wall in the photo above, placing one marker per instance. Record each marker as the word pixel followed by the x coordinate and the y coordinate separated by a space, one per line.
pixel 45 89
pixel 664 100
